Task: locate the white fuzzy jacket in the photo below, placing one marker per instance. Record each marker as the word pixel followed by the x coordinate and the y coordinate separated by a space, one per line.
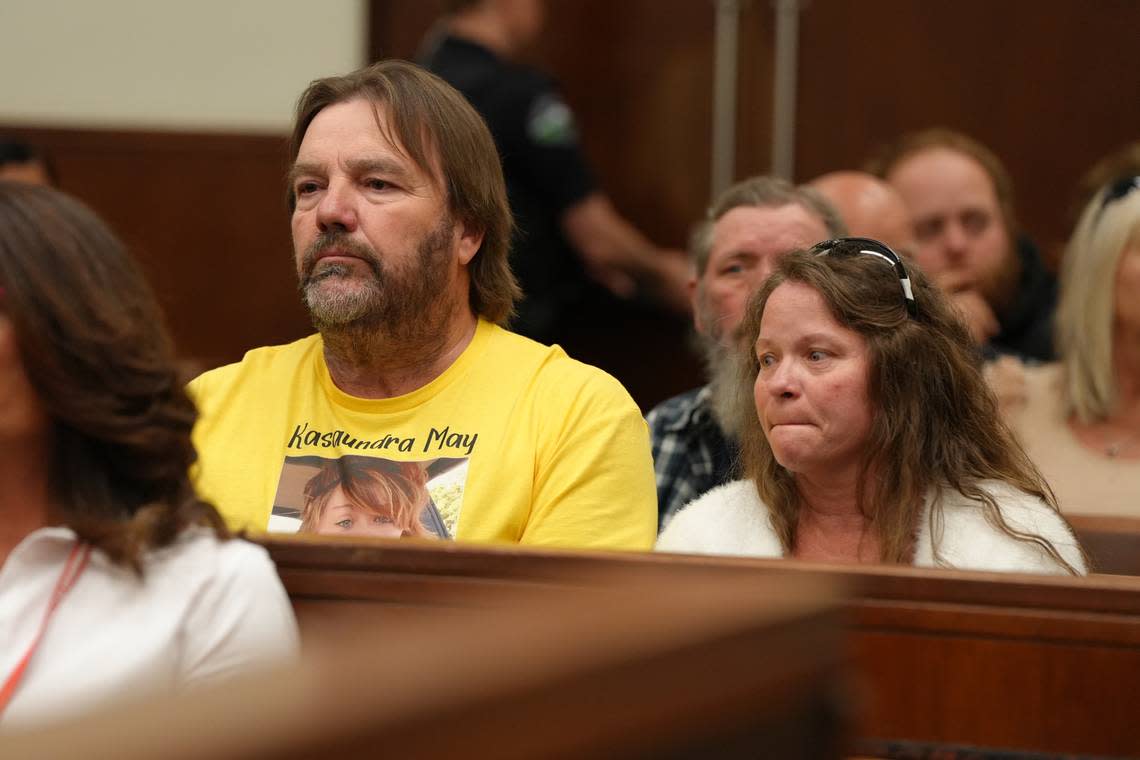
pixel 731 520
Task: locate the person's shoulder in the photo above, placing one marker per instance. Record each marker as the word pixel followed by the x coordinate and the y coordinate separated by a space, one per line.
pixel 554 369
pixel 971 542
pixel 198 551
pixel 730 520
pixel 677 411
pixel 268 361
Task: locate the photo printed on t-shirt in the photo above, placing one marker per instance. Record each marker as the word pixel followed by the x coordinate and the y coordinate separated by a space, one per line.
pixel 356 495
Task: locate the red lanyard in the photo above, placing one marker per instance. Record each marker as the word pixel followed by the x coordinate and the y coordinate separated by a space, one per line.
pixel 76 563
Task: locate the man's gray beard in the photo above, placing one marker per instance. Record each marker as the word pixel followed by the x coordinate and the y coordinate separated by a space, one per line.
pixel 729 400
pixel 393 306
pixel 337 309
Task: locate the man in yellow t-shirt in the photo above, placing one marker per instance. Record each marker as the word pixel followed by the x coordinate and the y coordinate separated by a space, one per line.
pixel 412 412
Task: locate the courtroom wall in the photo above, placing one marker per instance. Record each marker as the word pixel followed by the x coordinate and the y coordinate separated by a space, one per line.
pixel 207 65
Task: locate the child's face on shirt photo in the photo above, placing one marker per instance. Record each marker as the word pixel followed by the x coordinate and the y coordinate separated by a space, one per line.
pixel 342 516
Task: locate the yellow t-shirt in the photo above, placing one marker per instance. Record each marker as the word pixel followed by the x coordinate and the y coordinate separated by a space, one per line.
pixel 515 442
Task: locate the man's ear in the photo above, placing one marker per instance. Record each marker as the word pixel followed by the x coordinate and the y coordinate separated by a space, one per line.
pixel 696 295
pixel 469 239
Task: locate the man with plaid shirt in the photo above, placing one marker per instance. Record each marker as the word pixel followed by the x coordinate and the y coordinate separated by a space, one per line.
pixel 734 249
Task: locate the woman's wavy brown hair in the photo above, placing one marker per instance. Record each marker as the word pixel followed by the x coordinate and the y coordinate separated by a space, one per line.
pixel 935 422
pixel 93 345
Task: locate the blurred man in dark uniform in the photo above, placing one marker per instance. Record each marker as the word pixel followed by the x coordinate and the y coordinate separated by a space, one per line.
pixel 572 252
pixel 20 162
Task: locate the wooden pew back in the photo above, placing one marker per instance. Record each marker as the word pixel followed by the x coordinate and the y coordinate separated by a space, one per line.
pixel 606 668
pixel 1045 664
pixel 1112 543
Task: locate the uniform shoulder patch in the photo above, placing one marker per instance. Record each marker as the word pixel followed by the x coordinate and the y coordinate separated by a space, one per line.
pixel 550 122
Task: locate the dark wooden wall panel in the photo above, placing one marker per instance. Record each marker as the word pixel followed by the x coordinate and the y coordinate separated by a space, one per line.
pixel 638 75
pixel 206 216
pixel 1050 85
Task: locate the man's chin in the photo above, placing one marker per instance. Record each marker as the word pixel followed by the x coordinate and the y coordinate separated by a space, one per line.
pixel 337 308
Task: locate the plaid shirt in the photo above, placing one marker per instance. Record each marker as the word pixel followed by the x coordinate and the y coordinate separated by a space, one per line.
pixel 690 452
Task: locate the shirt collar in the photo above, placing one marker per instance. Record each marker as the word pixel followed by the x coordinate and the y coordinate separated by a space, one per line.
pixel 692 409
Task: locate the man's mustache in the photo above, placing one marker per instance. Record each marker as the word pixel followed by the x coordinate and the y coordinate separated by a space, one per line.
pixel 341 242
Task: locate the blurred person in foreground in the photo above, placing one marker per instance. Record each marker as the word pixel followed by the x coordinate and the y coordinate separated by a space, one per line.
pixel 576 257
pixel 400 231
pixel 960 198
pixel 873 437
pixel 1080 420
pixel 131 581
pixel 734 249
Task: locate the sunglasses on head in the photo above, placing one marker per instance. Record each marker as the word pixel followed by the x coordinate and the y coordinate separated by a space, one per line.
pixel 1119 189
pixel 852 246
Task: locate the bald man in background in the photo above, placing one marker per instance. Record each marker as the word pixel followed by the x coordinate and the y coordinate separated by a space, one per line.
pixel 870 208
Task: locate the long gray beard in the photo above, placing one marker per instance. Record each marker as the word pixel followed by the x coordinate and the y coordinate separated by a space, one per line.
pixel 731 401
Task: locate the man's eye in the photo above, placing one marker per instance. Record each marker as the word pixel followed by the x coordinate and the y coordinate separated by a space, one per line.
pixel 346 523
pixel 377 184
pixel 817 356
pixel 975 222
pixel 928 230
pixel 305 188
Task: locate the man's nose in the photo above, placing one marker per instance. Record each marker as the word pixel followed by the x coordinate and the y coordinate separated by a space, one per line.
pixel 955 242
pixel 336 210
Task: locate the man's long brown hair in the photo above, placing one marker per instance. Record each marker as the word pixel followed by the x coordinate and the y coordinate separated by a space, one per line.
pixel 424 116
pixel 935 421
pixel 92 343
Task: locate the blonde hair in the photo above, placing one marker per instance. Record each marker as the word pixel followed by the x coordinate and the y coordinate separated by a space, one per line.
pixel 1085 312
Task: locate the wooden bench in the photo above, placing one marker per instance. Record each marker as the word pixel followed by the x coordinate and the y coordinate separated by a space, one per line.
pixel 1112 543
pixel 606 668
pixel 1044 664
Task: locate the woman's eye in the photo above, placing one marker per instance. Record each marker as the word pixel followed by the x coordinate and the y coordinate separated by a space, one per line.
pixel 382 520
pixel 817 356
pixel 346 523
pixel 767 360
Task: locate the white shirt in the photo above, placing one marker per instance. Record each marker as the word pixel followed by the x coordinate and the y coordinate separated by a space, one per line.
pixel 731 520
pixel 202 610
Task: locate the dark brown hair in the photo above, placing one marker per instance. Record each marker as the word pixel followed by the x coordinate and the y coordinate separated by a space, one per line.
pixel 92 343
pixel 890 156
pixel 431 123
pixel 935 422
